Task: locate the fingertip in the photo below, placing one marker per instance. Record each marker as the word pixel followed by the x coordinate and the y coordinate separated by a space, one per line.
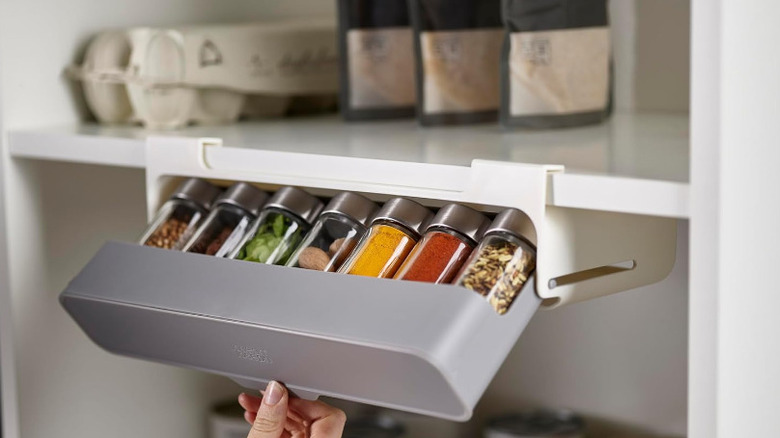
pixel 243 400
pixel 249 417
pixel 274 393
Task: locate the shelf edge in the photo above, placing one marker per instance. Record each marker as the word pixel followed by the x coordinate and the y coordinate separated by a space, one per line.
pixel 620 195
pixel 568 189
pixel 77 148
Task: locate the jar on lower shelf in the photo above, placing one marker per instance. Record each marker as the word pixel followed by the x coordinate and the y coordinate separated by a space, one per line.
pixel 446 245
pixel 560 423
pixel 502 263
pixel 181 215
pixel 378 425
pixel 392 235
pixel 228 222
pixel 280 228
pixel 335 234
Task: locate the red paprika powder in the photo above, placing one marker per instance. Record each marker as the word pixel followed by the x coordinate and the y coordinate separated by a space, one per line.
pixel 446 245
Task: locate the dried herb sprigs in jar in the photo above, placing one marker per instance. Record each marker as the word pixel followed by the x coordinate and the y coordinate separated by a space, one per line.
pixel 501 265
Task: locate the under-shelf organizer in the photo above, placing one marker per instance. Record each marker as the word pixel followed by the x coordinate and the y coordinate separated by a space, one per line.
pixel 430 349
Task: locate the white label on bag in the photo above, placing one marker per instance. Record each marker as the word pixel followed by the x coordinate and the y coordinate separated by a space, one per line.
pixel 381 68
pixel 559 71
pixel 262 58
pixel 461 70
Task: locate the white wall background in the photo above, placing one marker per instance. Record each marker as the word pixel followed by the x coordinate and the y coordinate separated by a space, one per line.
pixel 622 357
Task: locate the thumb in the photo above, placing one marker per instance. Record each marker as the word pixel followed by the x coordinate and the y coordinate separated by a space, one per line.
pixel 272 414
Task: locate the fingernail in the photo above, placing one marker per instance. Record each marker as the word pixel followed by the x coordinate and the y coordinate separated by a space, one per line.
pixel 273 393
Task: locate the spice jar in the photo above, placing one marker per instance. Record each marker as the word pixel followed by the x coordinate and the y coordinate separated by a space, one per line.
pixel 447 243
pixel 279 229
pixel 503 261
pixel 180 216
pixel 227 223
pixel 333 237
pixel 393 233
pixel 374 425
pixel 559 423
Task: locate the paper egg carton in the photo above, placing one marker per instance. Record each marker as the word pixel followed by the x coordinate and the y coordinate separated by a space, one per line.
pixel 166 78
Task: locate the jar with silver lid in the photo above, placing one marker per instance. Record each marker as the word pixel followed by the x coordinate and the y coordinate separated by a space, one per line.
pixel 451 236
pixel 228 222
pixel 500 266
pixel 374 426
pixel 393 233
pixel 340 226
pixel 536 424
pixel 181 215
pixel 280 228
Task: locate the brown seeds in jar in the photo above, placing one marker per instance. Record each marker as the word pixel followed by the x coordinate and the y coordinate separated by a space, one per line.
pixel 499 273
pixel 220 240
pixel 169 234
pixel 489 267
pixel 516 273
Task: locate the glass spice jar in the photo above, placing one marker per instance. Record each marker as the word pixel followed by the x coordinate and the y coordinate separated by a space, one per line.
pixel 393 233
pixel 499 267
pixel 333 237
pixel 445 246
pixel 227 223
pixel 180 216
pixel 279 229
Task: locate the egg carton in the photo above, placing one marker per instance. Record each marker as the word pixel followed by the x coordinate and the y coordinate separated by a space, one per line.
pixel 166 78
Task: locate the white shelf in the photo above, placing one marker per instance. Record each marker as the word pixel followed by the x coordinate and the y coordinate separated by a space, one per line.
pixel 635 163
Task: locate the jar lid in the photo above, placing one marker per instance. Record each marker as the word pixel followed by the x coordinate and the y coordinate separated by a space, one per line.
pixel 462 219
pixel 514 222
pixel 559 423
pixel 407 213
pixel 198 191
pixel 375 426
pixel 297 202
pixel 245 196
pixel 355 206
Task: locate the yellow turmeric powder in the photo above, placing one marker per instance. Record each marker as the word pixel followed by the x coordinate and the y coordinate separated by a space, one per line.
pixel 381 253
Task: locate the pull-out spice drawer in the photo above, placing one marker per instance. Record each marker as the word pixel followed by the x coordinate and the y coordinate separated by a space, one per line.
pixel 420 347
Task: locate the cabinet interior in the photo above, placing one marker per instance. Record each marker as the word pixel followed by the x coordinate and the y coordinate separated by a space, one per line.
pixel 622 358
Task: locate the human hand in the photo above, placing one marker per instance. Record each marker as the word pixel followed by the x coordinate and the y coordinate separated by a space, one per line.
pixel 276 415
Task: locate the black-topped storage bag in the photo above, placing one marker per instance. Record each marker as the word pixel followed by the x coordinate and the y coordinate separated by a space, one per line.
pixel 458 49
pixel 377 61
pixel 556 68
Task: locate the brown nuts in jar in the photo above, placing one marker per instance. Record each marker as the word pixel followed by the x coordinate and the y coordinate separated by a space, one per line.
pixel 336 246
pixel 313 258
